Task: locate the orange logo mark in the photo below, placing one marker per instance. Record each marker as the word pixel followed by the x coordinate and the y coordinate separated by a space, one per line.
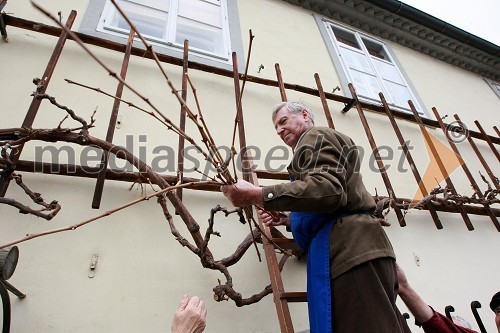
pixel 435 174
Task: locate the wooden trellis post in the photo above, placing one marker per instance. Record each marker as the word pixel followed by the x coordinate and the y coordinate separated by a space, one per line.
pixel 42 86
pixel 96 201
pixel 410 160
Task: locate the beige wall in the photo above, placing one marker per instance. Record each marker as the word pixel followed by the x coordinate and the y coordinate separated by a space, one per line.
pixel 142 271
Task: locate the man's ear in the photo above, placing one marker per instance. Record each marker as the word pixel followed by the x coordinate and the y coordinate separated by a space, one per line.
pixel 305 114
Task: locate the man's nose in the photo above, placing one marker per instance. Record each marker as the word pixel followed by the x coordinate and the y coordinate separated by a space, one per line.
pixel 279 130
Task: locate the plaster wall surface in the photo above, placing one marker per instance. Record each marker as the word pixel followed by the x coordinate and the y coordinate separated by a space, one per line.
pixel 142 271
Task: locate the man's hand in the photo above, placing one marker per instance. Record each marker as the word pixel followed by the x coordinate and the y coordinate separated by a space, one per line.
pixel 190 316
pixel 243 194
pixel 271 221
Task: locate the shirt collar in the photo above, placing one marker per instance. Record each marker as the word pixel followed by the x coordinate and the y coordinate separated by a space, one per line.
pixel 300 137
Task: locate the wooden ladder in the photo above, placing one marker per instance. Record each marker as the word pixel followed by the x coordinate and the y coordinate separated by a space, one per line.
pixel 281 297
pixel 274 266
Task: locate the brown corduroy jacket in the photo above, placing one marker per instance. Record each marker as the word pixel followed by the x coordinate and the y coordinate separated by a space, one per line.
pixel 326 179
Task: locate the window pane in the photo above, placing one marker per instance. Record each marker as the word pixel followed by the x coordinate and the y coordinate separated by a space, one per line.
pixel 355 60
pixel 376 50
pixel 200 36
pixel 162 5
pixel 398 94
pixel 345 37
pixel 149 22
pixel 366 85
pixel 201 11
pixel 388 71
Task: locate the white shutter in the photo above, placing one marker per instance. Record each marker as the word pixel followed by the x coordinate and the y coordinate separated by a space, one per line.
pixel 357 64
pixel 201 23
pixel 169 22
pixel 148 16
pixel 369 66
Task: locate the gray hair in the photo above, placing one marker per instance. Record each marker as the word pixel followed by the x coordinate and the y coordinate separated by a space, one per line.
pixel 292 107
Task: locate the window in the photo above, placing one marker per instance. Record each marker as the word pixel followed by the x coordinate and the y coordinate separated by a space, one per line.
pixel 495 86
pixel 211 26
pixel 369 65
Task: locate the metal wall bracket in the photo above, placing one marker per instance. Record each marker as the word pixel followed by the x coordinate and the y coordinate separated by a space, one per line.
pixel 93 265
pixel 3 29
pixel 349 105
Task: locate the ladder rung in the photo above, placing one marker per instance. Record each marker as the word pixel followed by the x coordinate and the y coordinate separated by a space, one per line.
pixel 295 296
pixel 287 243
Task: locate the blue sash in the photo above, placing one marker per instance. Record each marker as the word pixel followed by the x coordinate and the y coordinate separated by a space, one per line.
pixel 311 232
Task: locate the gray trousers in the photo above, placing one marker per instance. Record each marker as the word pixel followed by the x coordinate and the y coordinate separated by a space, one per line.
pixel 364 299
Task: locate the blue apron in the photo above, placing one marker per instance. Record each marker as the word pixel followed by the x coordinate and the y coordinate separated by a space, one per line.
pixel 311 232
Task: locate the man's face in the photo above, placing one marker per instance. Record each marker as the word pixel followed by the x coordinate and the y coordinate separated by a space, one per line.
pixel 290 126
pixel 497 318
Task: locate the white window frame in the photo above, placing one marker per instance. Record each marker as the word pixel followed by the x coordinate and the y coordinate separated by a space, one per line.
pixel 346 73
pixel 98 11
pixel 169 41
pixel 495 86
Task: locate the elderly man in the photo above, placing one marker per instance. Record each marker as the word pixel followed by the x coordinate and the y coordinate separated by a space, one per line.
pixel 351 274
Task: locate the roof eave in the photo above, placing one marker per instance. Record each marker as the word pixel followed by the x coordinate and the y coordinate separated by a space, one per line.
pixel 395 21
